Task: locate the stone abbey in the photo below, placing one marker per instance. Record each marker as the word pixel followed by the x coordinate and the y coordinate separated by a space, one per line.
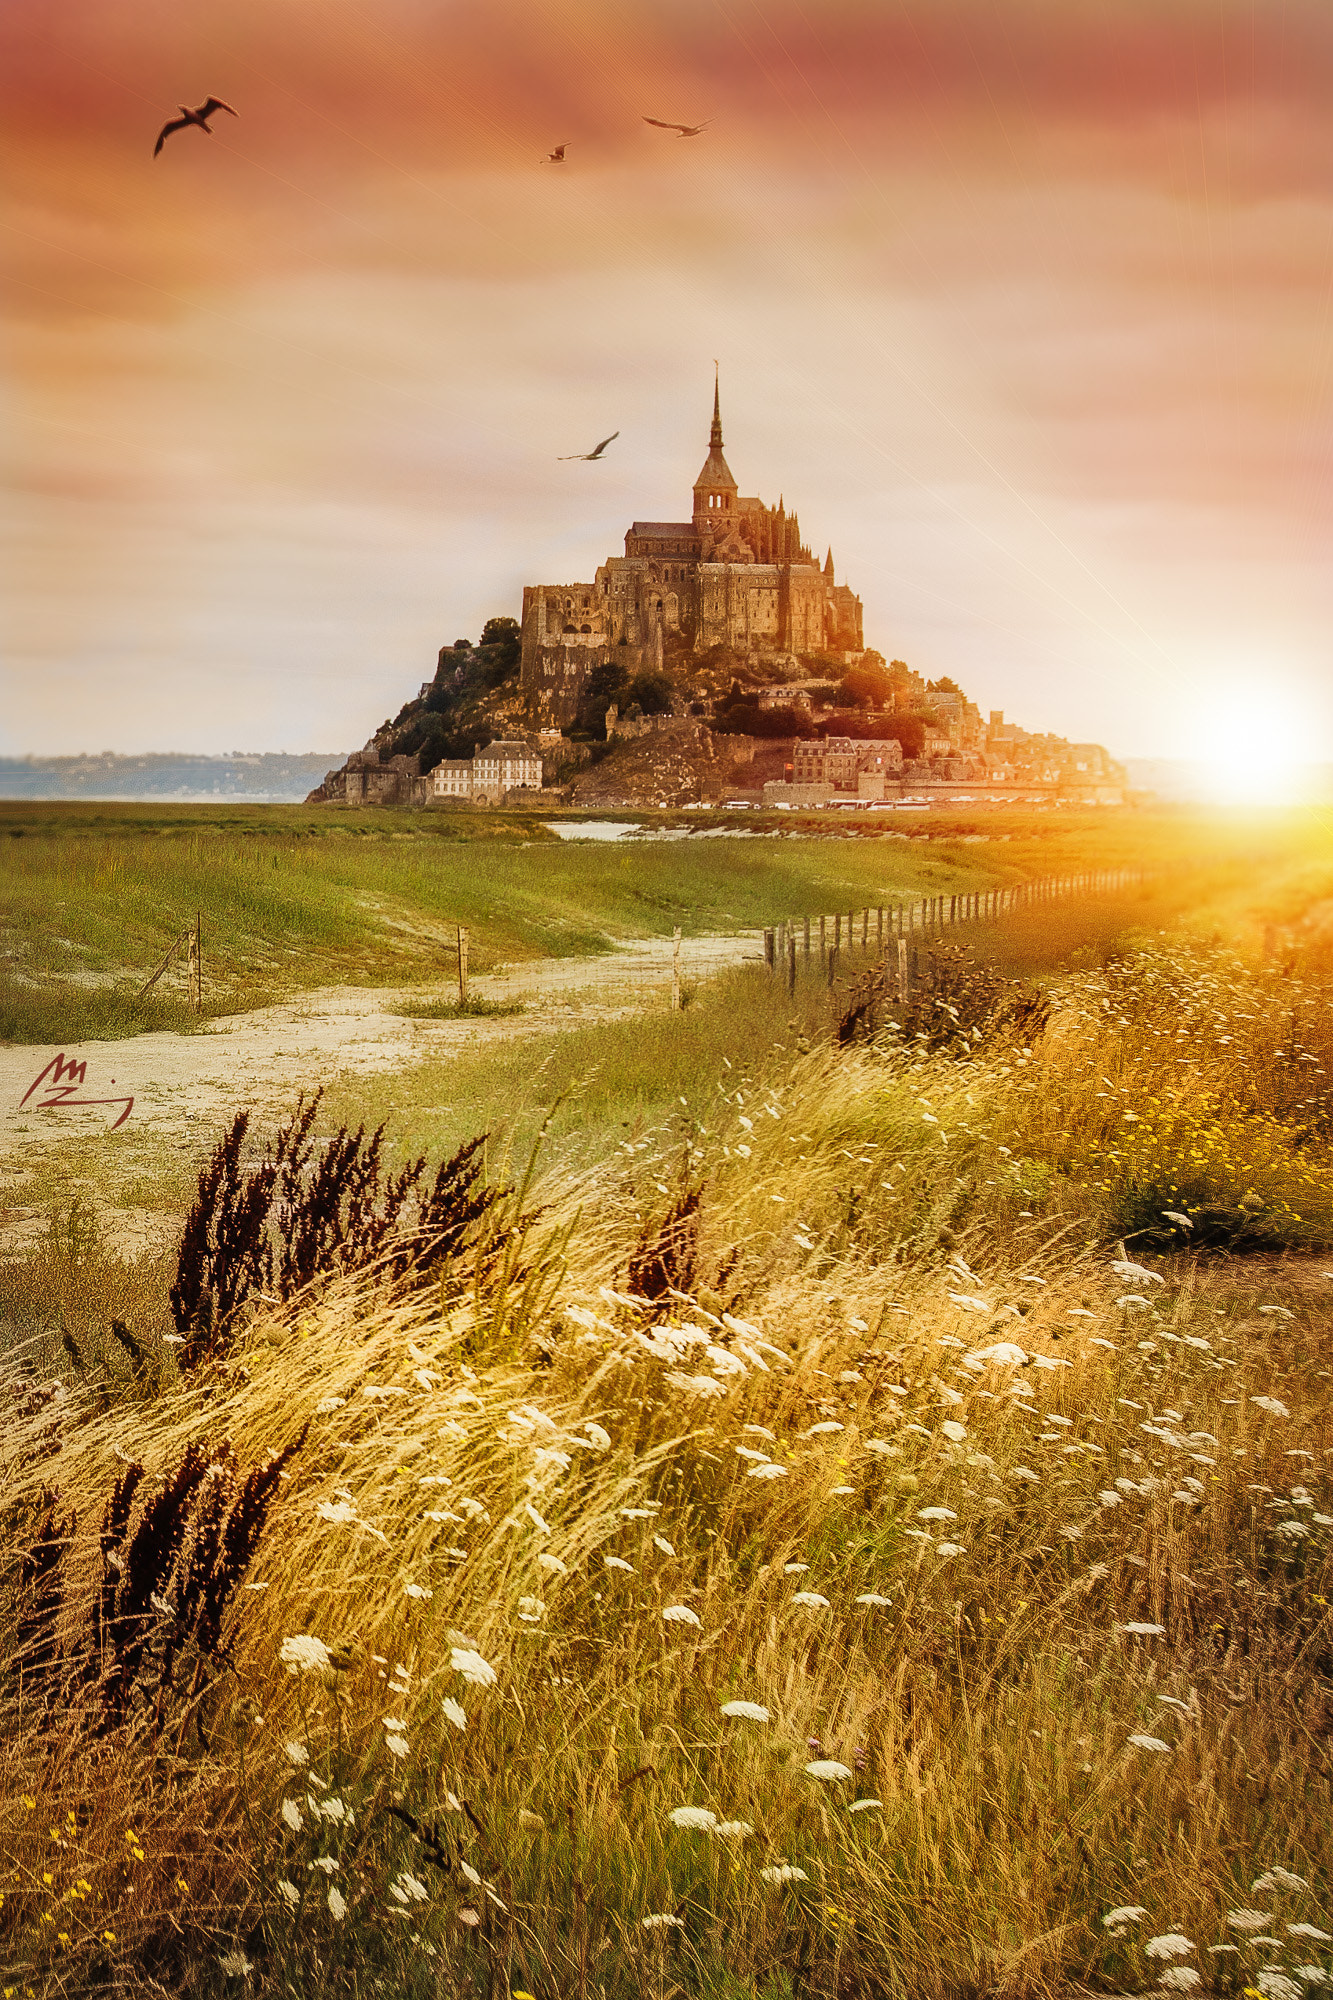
pixel 734 578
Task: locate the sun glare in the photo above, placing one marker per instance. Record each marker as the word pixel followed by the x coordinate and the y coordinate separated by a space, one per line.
pixel 1253 747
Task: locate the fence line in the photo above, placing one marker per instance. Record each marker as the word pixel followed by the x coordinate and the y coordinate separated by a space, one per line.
pixel 909 924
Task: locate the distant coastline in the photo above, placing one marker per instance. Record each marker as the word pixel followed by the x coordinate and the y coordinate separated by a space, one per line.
pixel 276 778
pixel 255 778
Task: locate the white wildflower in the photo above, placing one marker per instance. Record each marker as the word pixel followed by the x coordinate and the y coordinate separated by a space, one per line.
pixel 291 1814
pixel 454 1712
pixel 1275 1985
pixel 1127 1913
pixel 1141 1631
pixel 338 1511
pixel 535 1518
pixel 823 1430
pixel 531 1610
pixel 552 1563
pixel 397 1746
pixel 935 1514
pixel 695 1819
pixel 950 1549
pixel 1026 1472
pixel 734 1829
pixel 1277 1878
pixel 1149 1743
pixel 1004 1353
pixel 337 1904
pixel 1108 1498
pixel 470 1918
pixel 1310 1975
pixel 597 1437
pixel 1272 1405
pixel 289 1892
pixel 810 1600
pixel 296 1753
pixel 1138 1274
pixel 618 1562
pixel 1170 1945
pixel 747 1711
pixel 407 1888
pixel 1179 1978
pixel 662 1920
pixel 767 1472
pixel 955 1432
pixel 827 1770
pixel 1311 1931
pixel 866 1805
pixel 418 1591
pixel 661 1543
pixel 326 1863
pixel 236 1965
pixel 304 1654
pixel 466 1661
pixel 1247 1920
pixel 873 1598
pixel 782 1871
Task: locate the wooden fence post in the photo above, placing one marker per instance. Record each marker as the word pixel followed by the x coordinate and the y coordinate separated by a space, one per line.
pixel 770 950
pixel 807 937
pixel 675 970
pixel 879 934
pixel 832 963
pixel 902 967
pixel 462 966
pixel 823 940
pixel 791 962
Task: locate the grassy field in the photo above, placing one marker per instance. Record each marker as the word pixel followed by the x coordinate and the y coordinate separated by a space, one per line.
pixel 855 1524
pixel 294 898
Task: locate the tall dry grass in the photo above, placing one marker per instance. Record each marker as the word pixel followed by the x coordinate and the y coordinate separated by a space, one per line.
pixel 1018 1560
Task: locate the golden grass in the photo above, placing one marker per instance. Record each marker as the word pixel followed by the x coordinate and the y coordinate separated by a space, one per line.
pixel 869 1221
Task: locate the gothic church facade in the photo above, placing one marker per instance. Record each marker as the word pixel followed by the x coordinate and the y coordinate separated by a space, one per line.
pixel 736 575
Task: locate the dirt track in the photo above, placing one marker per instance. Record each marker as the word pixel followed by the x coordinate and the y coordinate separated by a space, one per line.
pixel 262 1059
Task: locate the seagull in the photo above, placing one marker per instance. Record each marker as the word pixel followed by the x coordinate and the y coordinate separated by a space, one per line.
pixel 682 131
pixel 199 116
pixel 557 158
pixel 596 452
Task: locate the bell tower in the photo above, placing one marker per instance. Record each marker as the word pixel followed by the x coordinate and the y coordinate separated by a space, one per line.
pixel 715 491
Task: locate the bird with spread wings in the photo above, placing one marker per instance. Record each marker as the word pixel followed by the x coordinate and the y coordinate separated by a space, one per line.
pixel 681 131
pixel 199 116
pixel 557 158
pixel 596 452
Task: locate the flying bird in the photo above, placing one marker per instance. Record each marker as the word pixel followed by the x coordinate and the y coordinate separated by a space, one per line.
pixel 557 158
pixel 596 452
pixel 682 131
pixel 199 116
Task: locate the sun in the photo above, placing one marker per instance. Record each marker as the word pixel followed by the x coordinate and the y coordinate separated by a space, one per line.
pixel 1253 746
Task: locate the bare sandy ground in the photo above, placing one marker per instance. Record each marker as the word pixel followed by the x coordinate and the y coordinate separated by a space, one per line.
pixel 185 1087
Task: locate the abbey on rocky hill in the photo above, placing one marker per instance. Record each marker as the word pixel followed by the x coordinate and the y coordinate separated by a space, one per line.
pixel 735 576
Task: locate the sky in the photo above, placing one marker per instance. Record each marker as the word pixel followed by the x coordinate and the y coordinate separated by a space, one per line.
pixel 1026 306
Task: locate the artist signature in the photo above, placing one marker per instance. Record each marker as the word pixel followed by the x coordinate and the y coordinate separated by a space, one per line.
pixel 60 1079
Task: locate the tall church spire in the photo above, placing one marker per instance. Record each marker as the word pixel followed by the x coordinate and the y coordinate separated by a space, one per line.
pixel 715 491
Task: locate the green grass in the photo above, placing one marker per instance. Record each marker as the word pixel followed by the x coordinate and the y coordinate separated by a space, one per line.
pixel 294 898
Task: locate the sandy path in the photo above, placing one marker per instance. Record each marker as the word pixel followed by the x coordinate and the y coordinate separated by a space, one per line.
pixel 263 1059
